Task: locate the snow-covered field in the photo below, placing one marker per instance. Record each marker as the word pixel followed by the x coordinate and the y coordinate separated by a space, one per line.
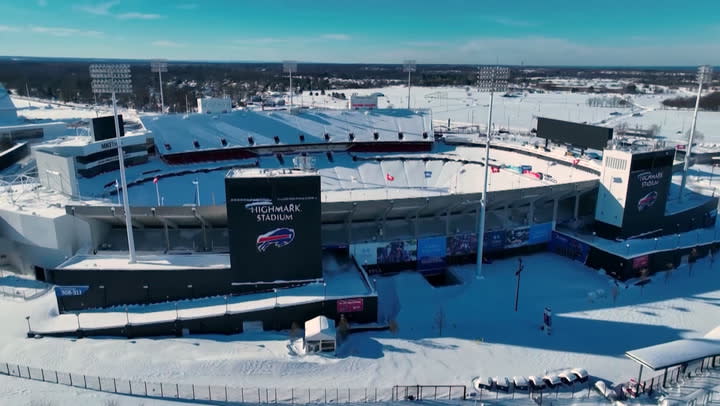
pixel 480 334
pixel 466 105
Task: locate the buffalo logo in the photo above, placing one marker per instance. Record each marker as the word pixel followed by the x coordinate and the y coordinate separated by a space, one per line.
pixel 647 201
pixel 278 237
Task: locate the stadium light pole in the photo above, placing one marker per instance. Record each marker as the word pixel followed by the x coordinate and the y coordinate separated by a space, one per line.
pixel 704 76
pixel 160 66
pixel 490 79
pixel 290 67
pixel 409 66
pixel 108 78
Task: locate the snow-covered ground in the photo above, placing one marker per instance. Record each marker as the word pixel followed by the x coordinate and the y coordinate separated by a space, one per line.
pixel 480 334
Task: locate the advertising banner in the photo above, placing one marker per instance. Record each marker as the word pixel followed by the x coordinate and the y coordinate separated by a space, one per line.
pixel 431 252
pixel 396 252
pixel 494 241
pixel 350 305
pixel 517 237
pixel 646 199
pixel 640 262
pixel 540 233
pixel 274 227
pixel 365 253
pixel 462 244
pixel 568 247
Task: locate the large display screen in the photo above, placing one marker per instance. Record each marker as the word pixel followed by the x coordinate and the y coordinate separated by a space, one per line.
pixel 646 199
pixel 274 227
pixel 578 135
pixel 103 128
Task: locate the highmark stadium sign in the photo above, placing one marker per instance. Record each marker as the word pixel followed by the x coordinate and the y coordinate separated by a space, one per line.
pixel 274 227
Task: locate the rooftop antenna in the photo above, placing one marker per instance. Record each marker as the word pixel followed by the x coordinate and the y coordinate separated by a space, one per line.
pixel 490 79
pixel 290 67
pixel 409 66
pixel 704 75
pixel 160 66
pixel 107 78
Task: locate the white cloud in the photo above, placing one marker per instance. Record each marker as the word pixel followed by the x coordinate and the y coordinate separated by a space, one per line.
pixel 336 37
pixel 138 16
pixel 7 28
pixel 100 9
pixel 167 44
pixel 65 32
pixel 187 6
pixel 509 22
pixel 42 3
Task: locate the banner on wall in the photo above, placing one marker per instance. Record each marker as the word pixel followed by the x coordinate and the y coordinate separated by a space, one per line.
pixel 568 247
pixel 350 305
pixel 494 241
pixel 395 252
pixel 540 233
pixel 640 262
pixel 462 244
pixel 517 237
pixel 431 252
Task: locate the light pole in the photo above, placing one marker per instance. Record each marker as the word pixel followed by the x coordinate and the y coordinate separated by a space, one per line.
pixel 521 267
pixel 27 318
pixel 160 66
pixel 116 79
pixel 409 66
pixel 197 191
pixel 490 79
pixel 704 76
pixel 290 67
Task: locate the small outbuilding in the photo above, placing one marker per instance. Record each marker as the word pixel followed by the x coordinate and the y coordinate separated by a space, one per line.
pixel 320 335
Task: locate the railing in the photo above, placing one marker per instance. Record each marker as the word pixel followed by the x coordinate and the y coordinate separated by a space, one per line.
pixel 212 393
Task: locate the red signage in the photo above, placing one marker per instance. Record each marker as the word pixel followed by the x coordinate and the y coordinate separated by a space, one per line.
pixel 640 262
pixel 350 305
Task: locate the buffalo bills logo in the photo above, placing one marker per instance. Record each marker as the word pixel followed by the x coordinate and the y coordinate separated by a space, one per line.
pixel 278 237
pixel 647 201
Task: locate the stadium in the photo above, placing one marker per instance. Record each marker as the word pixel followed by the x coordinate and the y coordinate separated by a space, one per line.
pixel 270 218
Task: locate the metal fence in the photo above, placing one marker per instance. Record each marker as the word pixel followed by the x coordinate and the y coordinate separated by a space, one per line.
pixel 213 393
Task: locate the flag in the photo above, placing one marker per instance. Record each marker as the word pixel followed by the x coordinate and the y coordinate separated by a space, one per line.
pixel 389 177
pixel 575 161
pixel 117 185
pixel 494 169
pixel 155 180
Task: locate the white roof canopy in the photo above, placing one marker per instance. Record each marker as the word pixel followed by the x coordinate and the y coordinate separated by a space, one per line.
pixel 320 329
pixel 677 352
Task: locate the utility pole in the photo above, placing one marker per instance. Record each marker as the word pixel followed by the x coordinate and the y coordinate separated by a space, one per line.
pixel 490 79
pixel 704 76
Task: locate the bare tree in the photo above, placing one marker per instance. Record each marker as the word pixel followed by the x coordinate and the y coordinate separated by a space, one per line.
pixel 440 320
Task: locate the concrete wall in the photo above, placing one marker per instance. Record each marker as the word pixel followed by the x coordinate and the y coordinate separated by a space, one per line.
pixel 57 172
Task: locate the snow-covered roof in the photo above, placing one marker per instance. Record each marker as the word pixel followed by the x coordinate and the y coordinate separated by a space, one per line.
pixel 677 352
pixel 197 132
pixel 320 329
pixel 147 262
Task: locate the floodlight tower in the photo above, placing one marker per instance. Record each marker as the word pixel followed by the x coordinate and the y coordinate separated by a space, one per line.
pixel 160 66
pixel 704 76
pixel 409 66
pixel 116 79
pixel 290 67
pixel 490 79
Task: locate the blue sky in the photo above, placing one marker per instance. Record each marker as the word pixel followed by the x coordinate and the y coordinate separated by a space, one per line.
pixel 534 32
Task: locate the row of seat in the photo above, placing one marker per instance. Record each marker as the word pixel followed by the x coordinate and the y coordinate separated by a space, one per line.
pixel 534 383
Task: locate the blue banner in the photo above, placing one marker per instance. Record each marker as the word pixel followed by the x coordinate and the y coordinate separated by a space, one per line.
pixel 431 252
pixel 494 241
pixel 540 233
pixel 61 291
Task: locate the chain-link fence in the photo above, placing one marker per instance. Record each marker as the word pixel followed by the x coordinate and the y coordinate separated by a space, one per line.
pixel 213 393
